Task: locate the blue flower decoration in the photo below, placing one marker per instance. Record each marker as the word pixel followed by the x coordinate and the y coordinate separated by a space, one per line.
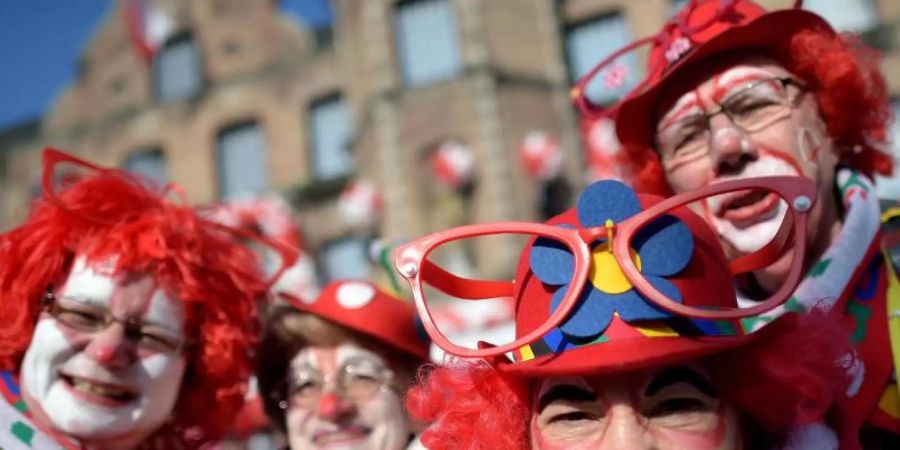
pixel 660 249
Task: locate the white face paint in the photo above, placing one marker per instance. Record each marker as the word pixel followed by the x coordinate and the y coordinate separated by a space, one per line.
pixel 751 227
pixel 102 386
pixel 336 422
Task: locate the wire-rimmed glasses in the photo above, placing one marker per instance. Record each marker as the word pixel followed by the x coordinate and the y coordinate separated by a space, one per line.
pixel 757 105
pixel 85 317
pixel 786 199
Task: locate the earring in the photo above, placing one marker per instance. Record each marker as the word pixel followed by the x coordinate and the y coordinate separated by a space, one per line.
pixel 283 404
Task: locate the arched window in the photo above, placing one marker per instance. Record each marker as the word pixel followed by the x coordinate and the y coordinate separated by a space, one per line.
pixel 330 132
pixel 177 71
pixel 241 160
pixel 427 41
pixel 149 163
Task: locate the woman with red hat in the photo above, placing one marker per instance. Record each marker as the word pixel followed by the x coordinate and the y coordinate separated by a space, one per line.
pixel 125 316
pixel 733 91
pixel 628 336
pixel 333 369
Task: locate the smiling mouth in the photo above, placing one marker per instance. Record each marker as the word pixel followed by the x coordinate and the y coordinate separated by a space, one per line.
pixel 96 392
pixel 748 208
pixel 344 435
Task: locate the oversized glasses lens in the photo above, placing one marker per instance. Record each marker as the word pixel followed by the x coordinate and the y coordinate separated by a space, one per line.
pixel 753 231
pixel 480 307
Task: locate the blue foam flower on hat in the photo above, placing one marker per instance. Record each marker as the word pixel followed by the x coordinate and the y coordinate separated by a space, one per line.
pixel 661 248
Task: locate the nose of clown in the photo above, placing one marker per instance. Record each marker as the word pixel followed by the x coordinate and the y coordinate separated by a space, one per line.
pixel 111 348
pixel 332 407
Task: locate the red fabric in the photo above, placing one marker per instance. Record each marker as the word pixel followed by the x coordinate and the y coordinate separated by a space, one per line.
pixel 215 277
pixel 782 380
pixel 251 419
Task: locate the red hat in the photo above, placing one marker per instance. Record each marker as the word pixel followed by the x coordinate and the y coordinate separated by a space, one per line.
pixel 363 307
pixel 614 330
pixel 702 29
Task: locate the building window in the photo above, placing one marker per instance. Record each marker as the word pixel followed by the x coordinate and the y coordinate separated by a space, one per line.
pixel 427 42
pixel 344 258
pixel 241 160
pixel 853 16
pixel 330 138
pixel 177 70
pixel 587 43
pixel 149 163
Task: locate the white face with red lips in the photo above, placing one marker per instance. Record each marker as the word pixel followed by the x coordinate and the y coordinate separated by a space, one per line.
pixel 366 414
pixel 675 408
pixel 790 139
pixel 104 386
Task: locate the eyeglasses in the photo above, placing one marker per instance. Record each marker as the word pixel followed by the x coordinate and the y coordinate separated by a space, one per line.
pixel 357 380
pixel 414 260
pixel 84 317
pixel 752 108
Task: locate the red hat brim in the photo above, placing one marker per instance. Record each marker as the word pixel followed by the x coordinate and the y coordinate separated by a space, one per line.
pixel 771 31
pixel 629 354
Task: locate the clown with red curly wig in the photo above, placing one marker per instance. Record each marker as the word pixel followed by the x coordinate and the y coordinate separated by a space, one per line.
pixel 126 318
pixel 733 92
pixel 629 336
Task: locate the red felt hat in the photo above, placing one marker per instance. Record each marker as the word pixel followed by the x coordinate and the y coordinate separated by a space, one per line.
pixel 703 280
pixel 701 30
pixel 363 307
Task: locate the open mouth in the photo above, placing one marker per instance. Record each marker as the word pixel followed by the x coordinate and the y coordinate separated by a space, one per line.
pixel 97 392
pixel 748 207
pixel 345 435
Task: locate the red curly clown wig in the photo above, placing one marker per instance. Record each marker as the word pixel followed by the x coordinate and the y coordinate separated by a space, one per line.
pixel 851 94
pixel 786 378
pixel 200 264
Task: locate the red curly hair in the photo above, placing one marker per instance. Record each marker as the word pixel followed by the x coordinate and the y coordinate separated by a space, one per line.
pixel 787 377
pixel 850 91
pixel 216 278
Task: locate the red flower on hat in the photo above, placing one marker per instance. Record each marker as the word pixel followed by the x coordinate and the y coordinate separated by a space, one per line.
pixel 662 248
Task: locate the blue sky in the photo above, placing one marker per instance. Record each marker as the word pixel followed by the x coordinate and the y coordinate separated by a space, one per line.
pixel 40 41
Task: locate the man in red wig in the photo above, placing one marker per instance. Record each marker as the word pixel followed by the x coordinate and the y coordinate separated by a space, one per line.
pixel 125 319
pixel 733 91
pixel 627 337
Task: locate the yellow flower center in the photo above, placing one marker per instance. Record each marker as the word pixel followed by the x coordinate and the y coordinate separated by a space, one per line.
pixel 606 275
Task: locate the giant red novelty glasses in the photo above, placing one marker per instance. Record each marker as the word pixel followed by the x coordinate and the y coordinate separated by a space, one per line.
pixel 611 252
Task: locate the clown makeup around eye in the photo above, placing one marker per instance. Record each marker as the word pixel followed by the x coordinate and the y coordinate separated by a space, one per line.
pixel 96 369
pixel 673 408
